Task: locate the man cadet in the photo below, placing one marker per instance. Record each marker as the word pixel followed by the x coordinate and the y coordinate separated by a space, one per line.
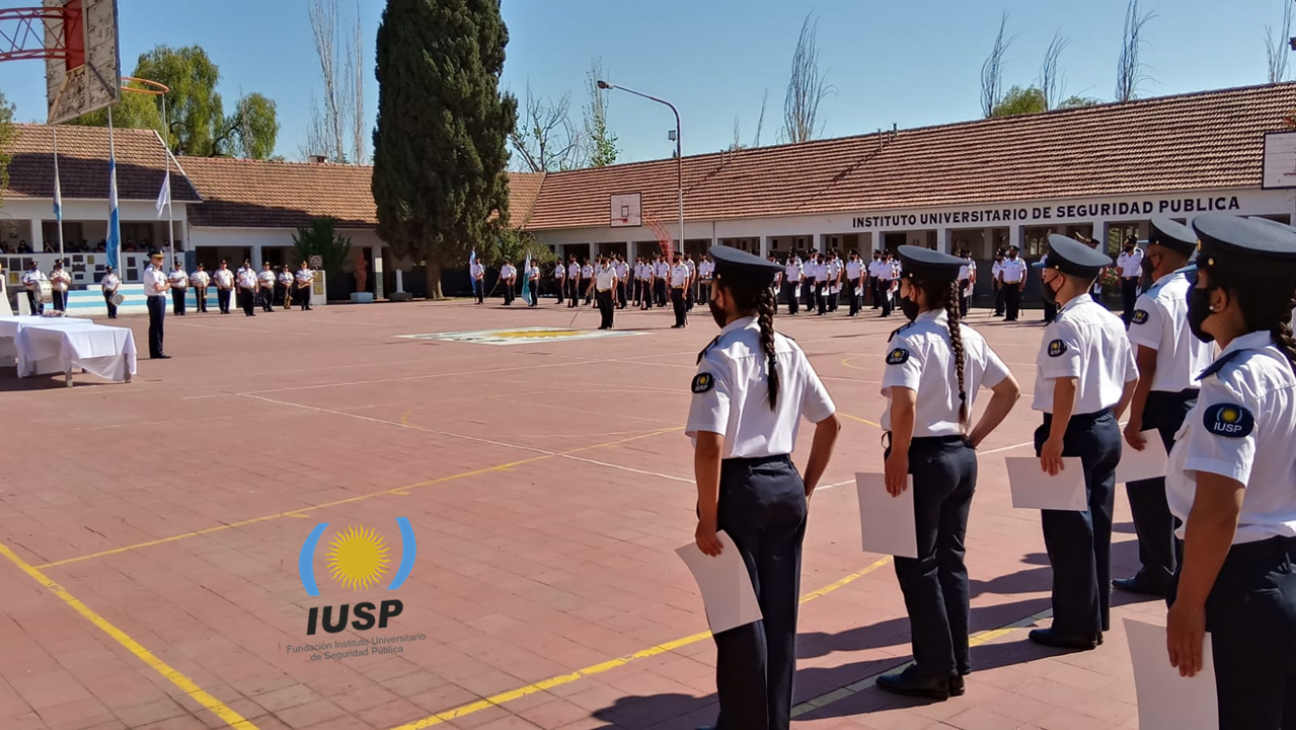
pixel 110 284
pixel 1169 361
pixel 285 286
pixel 622 272
pixel 690 290
pixel 1085 379
pixel 875 279
pixel 266 287
pixel 155 291
pixel 854 290
pixel 31 281
pixel 604 285
pixel 573 282
pixel 305 280
pixel 508 280
pixel 793 275
pixel 1012 276
pixel 560 278
pixel 995 270
pixel 679 280
pixel 706 270
pixel 179 281
pixel 661 279
pixel 200 280
pixel 224 279
pixel 1130 267
pixel 587 278
pixel 247 288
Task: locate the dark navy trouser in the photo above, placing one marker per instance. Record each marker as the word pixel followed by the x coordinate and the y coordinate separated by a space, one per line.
pixel 1153 522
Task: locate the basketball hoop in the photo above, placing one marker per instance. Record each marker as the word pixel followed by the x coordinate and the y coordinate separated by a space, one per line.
pixel 153 88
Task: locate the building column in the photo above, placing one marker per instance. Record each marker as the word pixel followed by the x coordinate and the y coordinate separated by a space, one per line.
pixel 764 246
pixel 945 240
pixel 376 253
pixel 1015 237
pixel 256 257
pixel 37 240
pixel 632 252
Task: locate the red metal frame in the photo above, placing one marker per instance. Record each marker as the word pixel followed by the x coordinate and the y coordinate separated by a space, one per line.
pixel 22 34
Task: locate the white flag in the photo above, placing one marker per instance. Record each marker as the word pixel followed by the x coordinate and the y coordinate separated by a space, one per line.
pixel 164 196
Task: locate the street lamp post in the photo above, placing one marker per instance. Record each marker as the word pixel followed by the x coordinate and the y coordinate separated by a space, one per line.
pixel 679 155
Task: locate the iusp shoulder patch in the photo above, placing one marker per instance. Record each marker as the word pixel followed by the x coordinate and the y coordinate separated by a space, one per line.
pixel 898 356
pixel 1140 316
pixel 702 382
pixel 1229 420
pixel 1057 348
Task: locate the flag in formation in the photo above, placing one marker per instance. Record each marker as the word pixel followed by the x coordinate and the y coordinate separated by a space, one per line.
pixel 114 222
pixel 526 278
pixel 164 196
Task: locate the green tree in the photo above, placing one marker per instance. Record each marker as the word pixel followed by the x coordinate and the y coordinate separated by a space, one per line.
pixel 321 239
pixel 440 144
pixel 196 117
pixel 1020 101
pixel 1076 102
pixel 600 143
pixel 514 245
pixel 7 135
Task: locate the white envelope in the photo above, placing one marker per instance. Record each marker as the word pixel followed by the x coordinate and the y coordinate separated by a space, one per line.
pixel 1033 488
pixel 1149 463
pixel 797 293
pixel 725 584
pixel 1167 701
pixel 887 523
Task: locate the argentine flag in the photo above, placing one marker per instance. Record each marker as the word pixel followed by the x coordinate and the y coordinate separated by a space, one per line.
pixel 526 279
pixel 114 221
pixel 472 278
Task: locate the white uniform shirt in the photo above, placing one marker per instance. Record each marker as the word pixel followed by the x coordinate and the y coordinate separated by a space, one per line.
pixel 1013 270
pixel 153 280
pixel 285 278
pixel 692 268
pixel 32 279
pixel 705 269
pixel 1131 264
pixel 110 283
pixel 853 269
pixel 266 278
pixel 507 271
pixel 620 269
pixel 559 272
pixel 679 275
pixel 224 278
pixel 178 279
pixel 834 269
pixel 477 270
pixel 587 271
pixel 533 273
pixel 920 357
pixel 965 271
pixel 605 278
pixel 1242 428
pixel 304 275
pixel 794 271
pixel 574 270
pixel 60 280
pixel 247 279
pixel 1089 343
pixel 995 270
pixel 730 395
pixel 199 279
pixel 1160 323
pixel 661 269
pixel 875 269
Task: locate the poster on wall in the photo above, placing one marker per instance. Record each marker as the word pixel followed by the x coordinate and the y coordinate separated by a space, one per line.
pixel 1279 161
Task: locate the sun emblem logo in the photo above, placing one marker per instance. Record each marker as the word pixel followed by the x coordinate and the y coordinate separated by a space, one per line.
pixel 1229 415
pixel 357 558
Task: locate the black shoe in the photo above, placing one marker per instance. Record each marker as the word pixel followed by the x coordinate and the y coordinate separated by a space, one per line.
pixel 160 357
pixel 1046 637
pixel 956 686
pixel 911 684
pixel 1139 585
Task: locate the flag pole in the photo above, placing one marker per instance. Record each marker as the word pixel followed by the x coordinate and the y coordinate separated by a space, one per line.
pixel 58 193
pixel 166 150
pixel 114 222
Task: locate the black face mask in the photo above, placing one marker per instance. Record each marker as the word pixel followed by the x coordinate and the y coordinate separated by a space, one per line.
pixel 717 313
pixel 1147 266
pixel 1198 311
pixel 1048 293
pixel 909 308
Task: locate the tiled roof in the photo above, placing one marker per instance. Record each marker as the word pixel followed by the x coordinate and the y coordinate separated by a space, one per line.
pixel 524 189
pixel 1195 141
pixel 83 164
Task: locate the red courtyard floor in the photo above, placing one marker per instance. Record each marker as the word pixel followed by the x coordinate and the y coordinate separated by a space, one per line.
pixel 150 535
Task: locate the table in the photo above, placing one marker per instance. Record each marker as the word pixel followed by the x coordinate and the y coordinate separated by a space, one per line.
pixel 11 325
pixel 108 352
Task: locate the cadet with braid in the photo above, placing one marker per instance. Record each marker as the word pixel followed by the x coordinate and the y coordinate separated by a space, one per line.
pixel 752 388
pixel 934 369
pixel 1231 477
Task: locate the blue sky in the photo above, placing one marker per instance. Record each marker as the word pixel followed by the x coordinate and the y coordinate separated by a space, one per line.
pixel 910 63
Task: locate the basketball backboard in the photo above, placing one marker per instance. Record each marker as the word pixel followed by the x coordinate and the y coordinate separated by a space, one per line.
pixel 89 77
pixel 1279 161
pixel 626 210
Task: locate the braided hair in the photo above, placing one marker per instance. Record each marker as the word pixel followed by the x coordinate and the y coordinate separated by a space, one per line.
pixel 1266 304
pixel 758 298
pixel 944 295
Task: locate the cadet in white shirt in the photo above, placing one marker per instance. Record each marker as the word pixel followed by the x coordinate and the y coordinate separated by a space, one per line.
pixel 31 281
pixel 110 283
pixel 1130 266
pixel 1232 473
pixel 1169 360
pixel 573 282
pixel 875 279
pixel 690 291
pixel 604 287
pixel 622 272
pixel 284 285
pixel 1012 277
pixel 967 283
pixel 587 280
pixel 560 279
pixel 533 283
pixel 224 279
pixel 793 275
pixel 706 271
pixel 679 280
pixel 1050 308
pixel 661 280
pixel 266 287
pixel 508 280
pixel 60 282
pixel 155 291
pixel 854 282
pixel 831 276
pixel 752 388
pixel 995 270
pixel 304 279
pixel 1085 379
pixel 247 288
pixel 934 369
pixel 179 283
pixel 200 280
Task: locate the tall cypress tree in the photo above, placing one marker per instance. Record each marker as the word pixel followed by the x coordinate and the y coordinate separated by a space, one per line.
pixel 440 142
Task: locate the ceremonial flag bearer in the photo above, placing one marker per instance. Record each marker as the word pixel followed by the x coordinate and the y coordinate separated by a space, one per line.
pixel 1086 377
pixel 934 369
pixel 1232 473
pixel 1169 361
pixel 751 390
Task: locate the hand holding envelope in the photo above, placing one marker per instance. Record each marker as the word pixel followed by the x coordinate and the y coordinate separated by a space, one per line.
pixel 726 585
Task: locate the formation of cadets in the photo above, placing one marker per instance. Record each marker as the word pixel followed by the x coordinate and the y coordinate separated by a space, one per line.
pixel 1208 363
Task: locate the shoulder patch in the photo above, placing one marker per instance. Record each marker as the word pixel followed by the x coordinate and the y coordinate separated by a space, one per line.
pixel 898 356
pixel 1140 316
pixel 702 382
pixel 1057 348
pixel 1229 420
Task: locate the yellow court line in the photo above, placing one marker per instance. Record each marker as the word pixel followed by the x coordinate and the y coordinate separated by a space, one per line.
pixel 861 420
pixel 187 685
pixel 398 491
pixel 558 681
pixel 982 637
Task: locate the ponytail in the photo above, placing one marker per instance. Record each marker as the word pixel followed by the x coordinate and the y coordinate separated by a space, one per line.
pixel 956 344
pixel 1266 305
pixel 765 308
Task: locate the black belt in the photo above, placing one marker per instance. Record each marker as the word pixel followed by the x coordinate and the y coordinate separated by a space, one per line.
pixel 1081 417
pixel 755 460
pixel 1131 278
pixel 1184 394
pixel 1274 547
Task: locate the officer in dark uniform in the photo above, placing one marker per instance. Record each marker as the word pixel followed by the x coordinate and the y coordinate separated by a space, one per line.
pixel 1232 473
pixel 1169 361
pixel 752 388
pixel 1085 380
pixel 934 368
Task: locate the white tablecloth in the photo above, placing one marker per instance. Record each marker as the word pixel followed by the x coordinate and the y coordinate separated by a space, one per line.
pixel 108 352
pixel 10 326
